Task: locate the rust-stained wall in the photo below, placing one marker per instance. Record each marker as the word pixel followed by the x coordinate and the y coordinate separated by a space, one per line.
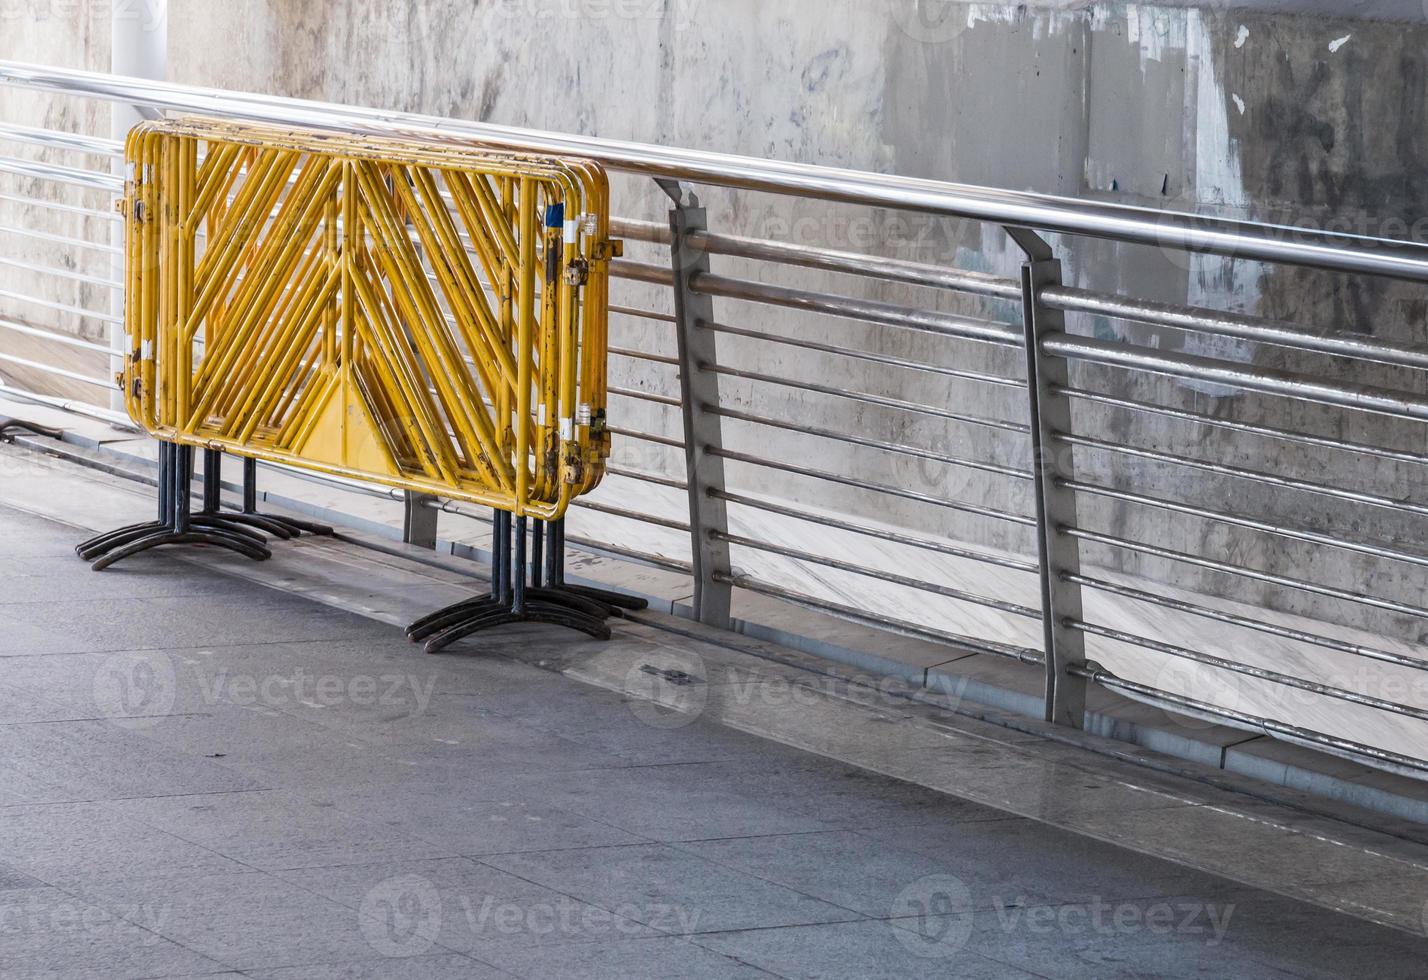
pixel 1246 112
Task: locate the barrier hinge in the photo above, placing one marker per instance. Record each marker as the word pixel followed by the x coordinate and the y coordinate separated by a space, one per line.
pixel 577 273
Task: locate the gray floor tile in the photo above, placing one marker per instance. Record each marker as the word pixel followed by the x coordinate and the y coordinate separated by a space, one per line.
pixel 40 578
pixel 21 638
pixel 676 892
pixel 274 830
pixel 77 843
pixel 464 905
pixel 450 966
pixel 1170 937
pixel 91 760
pixel 245 921
pixel 49 933
pixel 12 879
pixel 846 797
pixel 1026 859
pixel 845 869
pixel 774 860
pixel 94 625
pixel 856 951
pixel 679 802
pixel 480 822
pixel 661 958
pixel 19 705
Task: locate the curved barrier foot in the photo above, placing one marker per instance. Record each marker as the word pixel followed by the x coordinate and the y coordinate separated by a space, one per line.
pixel 616 599
pixel 243 546
pixel 455 613
pixel 535 612
pixel 100 543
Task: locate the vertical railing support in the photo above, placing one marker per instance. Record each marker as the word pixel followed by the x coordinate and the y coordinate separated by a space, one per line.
pixel 1047 379
pixel 699 392
pixel 419 519
pixel 138 46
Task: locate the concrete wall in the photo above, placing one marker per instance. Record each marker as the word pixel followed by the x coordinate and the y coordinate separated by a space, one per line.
pixel 73 35
pixel 1251 112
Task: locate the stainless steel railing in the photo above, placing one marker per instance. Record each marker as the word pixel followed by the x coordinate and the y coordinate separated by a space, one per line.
pixel 993 462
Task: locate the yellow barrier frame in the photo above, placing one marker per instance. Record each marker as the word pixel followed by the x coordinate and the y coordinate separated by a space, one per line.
pixel 331 286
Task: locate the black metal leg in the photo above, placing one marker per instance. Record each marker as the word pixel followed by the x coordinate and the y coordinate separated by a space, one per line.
pixel 512 600
pixel 176 523
pixel 250 515
pixel 518 573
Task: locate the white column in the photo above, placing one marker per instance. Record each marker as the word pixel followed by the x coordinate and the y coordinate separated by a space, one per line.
pixel 138 46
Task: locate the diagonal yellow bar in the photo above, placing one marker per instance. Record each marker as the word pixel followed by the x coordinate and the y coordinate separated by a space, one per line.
pixel 418 313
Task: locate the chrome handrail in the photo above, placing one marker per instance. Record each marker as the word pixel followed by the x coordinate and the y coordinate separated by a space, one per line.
pixel 1040 299
pixel 1071 216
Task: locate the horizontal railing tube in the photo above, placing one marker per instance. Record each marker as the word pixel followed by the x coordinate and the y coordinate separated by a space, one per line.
pixel 1247 622
pixel 1251 523
pixel 1069 216
pixel 1210 712
pixel 1243 473
pixel 867 310
pixel 897 448
pixel 57 371
pixel 68 340
pixel 1257 329
pixel 641 272
pixel 901 627
pixel 61 140
pixel 39 170
pixel 116 419
pixel 1268 578
pixel 881 401
pixel 881 533
pixel 882 488
pixel 630 515
pixel 47 205
pixel 854 353
pixel 1247 670
pixel 1365 398
pixel 1250 428
pixel 655 478
pixel 858 264
pixel 907 582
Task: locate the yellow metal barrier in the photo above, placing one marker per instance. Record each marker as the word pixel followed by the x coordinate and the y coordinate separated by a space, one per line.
pixel 425 315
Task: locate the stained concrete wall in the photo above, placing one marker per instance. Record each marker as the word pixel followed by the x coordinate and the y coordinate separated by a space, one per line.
pixel 1251 112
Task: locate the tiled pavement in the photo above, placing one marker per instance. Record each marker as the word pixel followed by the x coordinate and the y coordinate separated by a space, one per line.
pixel 203 776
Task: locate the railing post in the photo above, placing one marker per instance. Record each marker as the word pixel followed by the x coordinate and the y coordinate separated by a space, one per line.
pixel 138 46
pixel 418 519
pixel 1065 646
pixel 699 390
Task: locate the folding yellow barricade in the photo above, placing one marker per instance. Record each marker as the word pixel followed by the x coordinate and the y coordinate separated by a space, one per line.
pixel 421 314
